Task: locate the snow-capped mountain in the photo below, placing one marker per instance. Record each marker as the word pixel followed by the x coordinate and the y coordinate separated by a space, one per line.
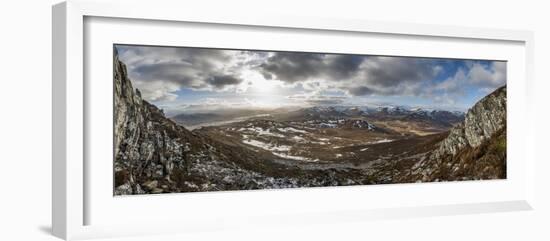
pixel 382 112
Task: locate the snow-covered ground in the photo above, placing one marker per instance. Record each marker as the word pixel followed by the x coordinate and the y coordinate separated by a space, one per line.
pixel 267 146
pixel 291 129
pixel 298 158
pixel 262 132
pixel 277 150
pixel 380 141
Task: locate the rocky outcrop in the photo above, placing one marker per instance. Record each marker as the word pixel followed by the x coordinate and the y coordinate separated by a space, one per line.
pixel 483 120
pixel 146 145
pixel 474 149
pixel 356 124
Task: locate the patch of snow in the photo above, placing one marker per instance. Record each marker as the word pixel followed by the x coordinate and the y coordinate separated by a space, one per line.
pixel 325 125
pixel 280 148
pixel 260 131
pixel 267 132
pixel 338 155
pixel 297 158
pixel 266 146
pixel 364 149
pixel 291 129
pixel 319 142
pixel 191 185
pixel 370 126
pixel 380 141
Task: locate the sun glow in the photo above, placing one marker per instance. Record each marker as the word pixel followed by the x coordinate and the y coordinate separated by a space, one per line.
pixel 256 83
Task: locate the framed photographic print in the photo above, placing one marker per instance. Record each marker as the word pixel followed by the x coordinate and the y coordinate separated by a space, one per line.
pixel 225 121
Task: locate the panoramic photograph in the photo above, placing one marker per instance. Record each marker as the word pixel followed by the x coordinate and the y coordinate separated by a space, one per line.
pixel 190 119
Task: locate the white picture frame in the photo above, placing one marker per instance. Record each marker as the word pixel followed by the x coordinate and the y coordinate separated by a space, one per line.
pixel 73 193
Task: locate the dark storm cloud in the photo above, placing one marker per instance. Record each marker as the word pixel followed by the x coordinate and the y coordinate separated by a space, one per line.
pixel 292 67
pixel 181 65
pixel 360 90
pixel 343 66
pixel 392 71
pixel 394 76
pixel 181 74
pixel 186 67
pixel 295 67
pixel 358 75
pixel 219 81
pixel 174 72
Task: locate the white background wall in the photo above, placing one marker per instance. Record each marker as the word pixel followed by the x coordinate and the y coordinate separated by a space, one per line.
pixel 25 120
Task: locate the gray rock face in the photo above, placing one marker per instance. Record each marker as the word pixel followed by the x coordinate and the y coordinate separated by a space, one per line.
pixel 474 149
pixel 124 189
pixel 484 119
pixel 143 145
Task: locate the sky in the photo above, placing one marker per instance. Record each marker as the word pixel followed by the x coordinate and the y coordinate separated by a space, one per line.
pixel 182 79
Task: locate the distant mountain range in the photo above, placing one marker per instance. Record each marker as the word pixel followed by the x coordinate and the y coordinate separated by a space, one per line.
pixel 437 117
pixel 366 110
pixel 377 113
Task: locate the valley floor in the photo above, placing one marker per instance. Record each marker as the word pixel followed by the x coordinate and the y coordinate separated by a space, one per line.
pixel 321 145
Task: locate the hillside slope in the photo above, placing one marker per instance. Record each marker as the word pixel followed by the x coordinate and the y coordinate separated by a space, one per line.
pixel 474 149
